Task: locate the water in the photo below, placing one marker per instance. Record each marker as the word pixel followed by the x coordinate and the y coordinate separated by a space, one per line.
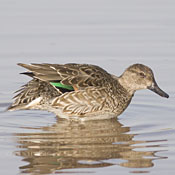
pixel 113 35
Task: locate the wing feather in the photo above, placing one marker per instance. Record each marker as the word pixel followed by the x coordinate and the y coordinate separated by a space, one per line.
pixel 81 75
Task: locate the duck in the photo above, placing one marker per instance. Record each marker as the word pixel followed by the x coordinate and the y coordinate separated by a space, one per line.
pixel 82 91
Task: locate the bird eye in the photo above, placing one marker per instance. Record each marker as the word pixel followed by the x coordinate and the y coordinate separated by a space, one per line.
pixel 142 74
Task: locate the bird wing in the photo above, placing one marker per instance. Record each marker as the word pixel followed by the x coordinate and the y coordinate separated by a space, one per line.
pixel 80 75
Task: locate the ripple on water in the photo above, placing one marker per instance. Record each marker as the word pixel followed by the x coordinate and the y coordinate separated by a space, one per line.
pixel 48 146
pixel 92 144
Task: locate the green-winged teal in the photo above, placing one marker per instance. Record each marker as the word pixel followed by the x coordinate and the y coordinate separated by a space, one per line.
pixel 81 90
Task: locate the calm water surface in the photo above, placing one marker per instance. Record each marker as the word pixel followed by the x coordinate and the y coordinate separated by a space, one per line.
pixel 113 35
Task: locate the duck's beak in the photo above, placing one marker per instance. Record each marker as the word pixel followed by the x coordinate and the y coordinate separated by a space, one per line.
pixel 155 88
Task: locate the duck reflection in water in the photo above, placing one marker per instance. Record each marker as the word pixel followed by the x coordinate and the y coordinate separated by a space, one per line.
pixel 69 145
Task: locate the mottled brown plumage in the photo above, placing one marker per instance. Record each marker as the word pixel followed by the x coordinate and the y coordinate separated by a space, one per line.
pixel 94 94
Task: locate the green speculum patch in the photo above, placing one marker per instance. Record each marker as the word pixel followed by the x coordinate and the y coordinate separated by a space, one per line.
pixel 63 86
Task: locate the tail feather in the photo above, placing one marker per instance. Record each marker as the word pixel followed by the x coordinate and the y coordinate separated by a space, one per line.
pixel 30 74
pixel 29 95
pixel 16 107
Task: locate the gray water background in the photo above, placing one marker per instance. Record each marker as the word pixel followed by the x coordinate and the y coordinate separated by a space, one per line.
pixel 111 34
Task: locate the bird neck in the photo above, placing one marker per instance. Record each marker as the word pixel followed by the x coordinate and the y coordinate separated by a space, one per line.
pixel 127 84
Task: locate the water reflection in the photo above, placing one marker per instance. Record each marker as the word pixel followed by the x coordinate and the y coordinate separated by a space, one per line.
pixel 93 144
